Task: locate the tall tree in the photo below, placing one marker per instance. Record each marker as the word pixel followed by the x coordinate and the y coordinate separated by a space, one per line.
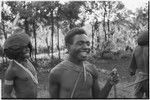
pixel 104 20
pixel 4 18
pixel 47 11
pixel 58 19
pixel 69 12
pixel 21 7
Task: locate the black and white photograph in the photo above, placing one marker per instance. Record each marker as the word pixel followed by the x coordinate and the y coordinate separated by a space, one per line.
pixel 71 49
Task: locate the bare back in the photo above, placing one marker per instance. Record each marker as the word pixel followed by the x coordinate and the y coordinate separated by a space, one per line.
pixel 141 57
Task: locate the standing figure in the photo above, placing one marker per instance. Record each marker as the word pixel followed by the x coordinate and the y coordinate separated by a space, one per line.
pixel 21 76
pixel 75 77
pixel 139 66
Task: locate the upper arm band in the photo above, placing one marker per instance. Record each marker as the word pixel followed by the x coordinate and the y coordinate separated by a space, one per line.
pixel 8 82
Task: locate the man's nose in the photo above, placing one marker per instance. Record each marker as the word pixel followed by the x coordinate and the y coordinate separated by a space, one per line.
pixel 27 49
pixel 86 46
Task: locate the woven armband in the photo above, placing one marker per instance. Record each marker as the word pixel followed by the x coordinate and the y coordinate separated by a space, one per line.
pixel 8 82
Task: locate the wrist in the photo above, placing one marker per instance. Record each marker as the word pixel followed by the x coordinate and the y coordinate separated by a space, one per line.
pixel 109 84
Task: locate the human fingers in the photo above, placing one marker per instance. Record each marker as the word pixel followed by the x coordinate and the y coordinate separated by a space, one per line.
pixel 115 78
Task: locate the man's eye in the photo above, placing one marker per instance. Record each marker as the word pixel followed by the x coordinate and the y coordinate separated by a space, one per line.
pixel 88 43
pixel 80 43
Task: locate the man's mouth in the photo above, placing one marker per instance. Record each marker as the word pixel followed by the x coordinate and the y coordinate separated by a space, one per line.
pixel 27 54
pixel 84 53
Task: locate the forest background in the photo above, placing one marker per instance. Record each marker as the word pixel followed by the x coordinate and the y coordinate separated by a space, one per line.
pixel 112 29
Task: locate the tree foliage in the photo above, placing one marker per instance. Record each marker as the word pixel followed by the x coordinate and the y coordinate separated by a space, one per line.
pixel 110 25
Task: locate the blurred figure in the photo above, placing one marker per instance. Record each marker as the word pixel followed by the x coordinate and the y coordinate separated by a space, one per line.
pixel 139 66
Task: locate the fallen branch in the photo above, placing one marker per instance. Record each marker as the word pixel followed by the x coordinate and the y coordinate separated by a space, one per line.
pixel 120 88
pixel 134 83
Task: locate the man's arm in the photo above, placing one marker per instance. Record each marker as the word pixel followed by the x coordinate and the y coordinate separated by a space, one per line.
pixel 104 92
pixel 53 84
pixel 100 93
pixel 9 82
pixel 133 66
pixel 143 39
pixel 8 90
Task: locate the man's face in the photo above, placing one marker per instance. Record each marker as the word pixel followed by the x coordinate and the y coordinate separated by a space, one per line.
pixel 80 47
pixel 26 52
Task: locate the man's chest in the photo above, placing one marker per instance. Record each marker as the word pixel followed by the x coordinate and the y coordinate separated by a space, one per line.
pixel 25 75
pixel 22 76
pixel 71 79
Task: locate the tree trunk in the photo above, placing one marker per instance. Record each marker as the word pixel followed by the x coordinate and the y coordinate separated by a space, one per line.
pixel 3 59
pixel 4 32
pixel 26 24
pixel 52 30
pixel 108 24
pixel 104 26
pixel 34 32
pixel 58 41
pixel 3 24
pixel 96 29
pixel 108 21
pixel 3 29
pixel 98 40
pixel 48 47
pixel 92 39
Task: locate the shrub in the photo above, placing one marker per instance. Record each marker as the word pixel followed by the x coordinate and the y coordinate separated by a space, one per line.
pixel 1 51
pixel 4 66
pixel 54 62
pixel 103 55
pixel 44 63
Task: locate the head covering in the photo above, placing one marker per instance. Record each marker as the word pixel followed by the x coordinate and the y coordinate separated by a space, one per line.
pixel 143 39
pixel 13 46
pixel 17 40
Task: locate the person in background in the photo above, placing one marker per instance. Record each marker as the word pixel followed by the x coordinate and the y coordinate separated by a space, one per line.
pixel 140 66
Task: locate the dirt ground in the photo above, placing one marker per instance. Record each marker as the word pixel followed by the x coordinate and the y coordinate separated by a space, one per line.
pixel 121 66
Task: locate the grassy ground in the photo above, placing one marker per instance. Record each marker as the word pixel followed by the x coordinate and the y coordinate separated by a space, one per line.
pixel 121 65
pixel 125 79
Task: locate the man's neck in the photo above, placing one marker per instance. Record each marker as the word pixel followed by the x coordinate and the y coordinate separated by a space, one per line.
pixel 75 61
pixel 21 60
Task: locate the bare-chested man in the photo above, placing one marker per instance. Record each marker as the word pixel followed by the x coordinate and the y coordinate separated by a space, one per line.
pixel 139 66
pixel 21 76
pixel 75 77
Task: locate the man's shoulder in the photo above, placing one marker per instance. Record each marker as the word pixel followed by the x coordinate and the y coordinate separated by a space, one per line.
pixel 12 66
pixel 11 70
pixel 59 68
pixel 90 65
pixel 138 50
pixel 143 39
